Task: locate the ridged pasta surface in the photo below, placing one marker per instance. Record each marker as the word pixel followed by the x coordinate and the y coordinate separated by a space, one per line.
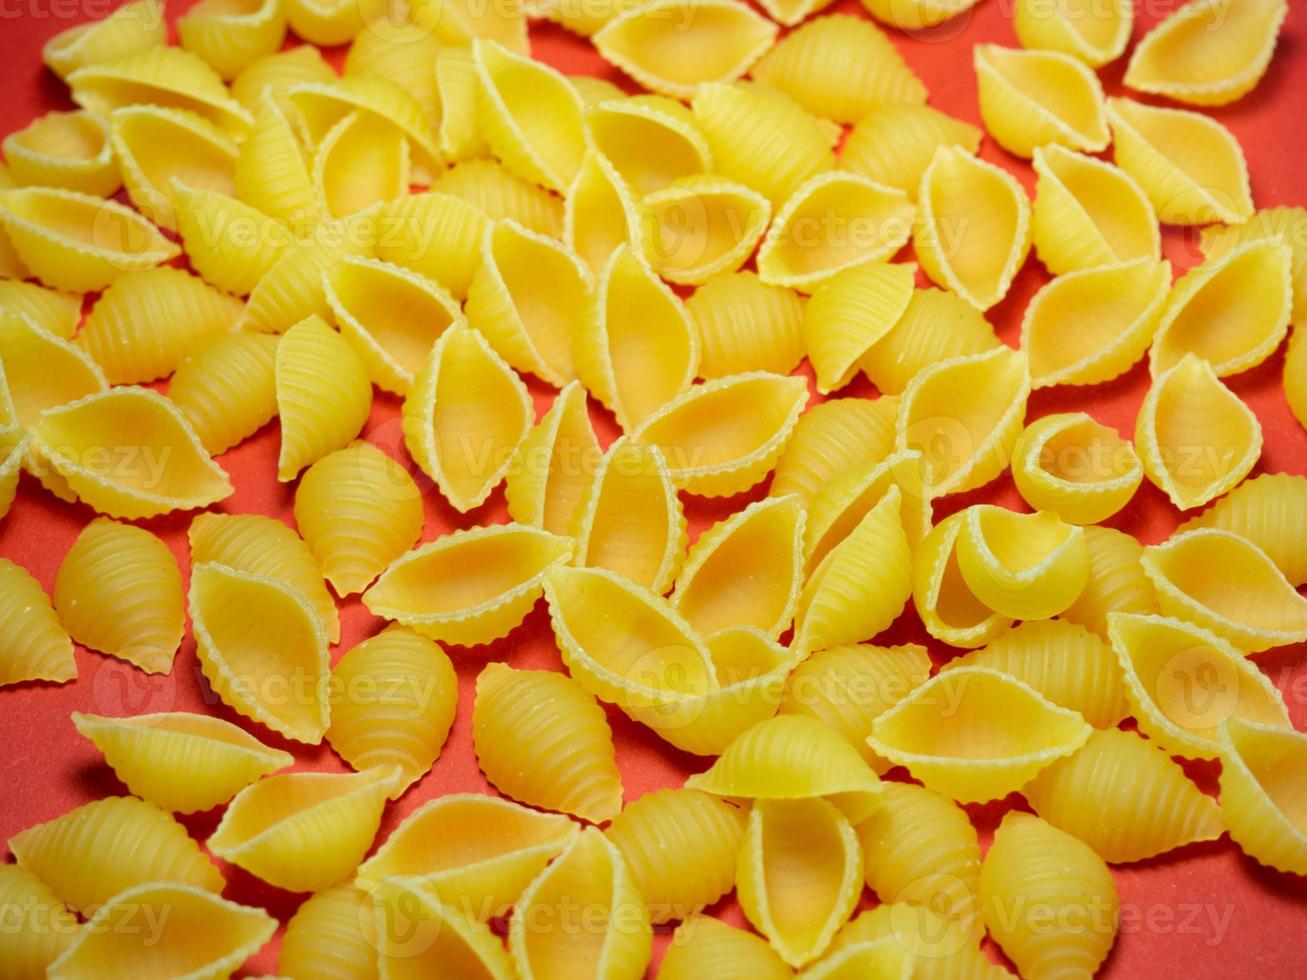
pixel 834 436
pixel 1269 511
pixel 745 324
pixel 36 646
pixel 704 946
pixel 332 935
pixel 227 388
pixel 42 928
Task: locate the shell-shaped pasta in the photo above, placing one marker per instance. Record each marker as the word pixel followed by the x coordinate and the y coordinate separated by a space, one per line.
pixel 40 925
pixel 393 699
pixel 304 831
pixel 704 946
pixel 228 242
pixel 92 853
pixel 255 637
pixel 671 48
pixel 1125 798
pixel 13 454
pixel 321 107
pixel 833 437
pixel 358 510
pixel 552 468
pixel 840 506
pixel 64 149
pixel 404 52
pixel 1190 166
pixel 948 608
pixel 119 591
pixel 330 935
pixel 761 137
pixel 638 348
pixel 54 312
pixel 278 74
pixel 705 834
pixel 330 23
pixel 450 258
pixel 464 416
pixel 1294 378
pixel 196 934
pixel 599 213
pixel 893 144
pixel 651 140
pixel 77 242
pixel 456 92
pixel 701 226
pixel 1117 582
pixel 1095 33
pixel 497 193
pixel 41 370
pixel 1286 222
pixel 1183 682
pixel 935 325
pixel 850 312
pixel 849 687
pixel 1261 792
pixel 974 734
pixel 158 464
pixel 131 28
pixel 618 941
pixel 1091 325
pixel 417 937
pixel 36 646
pixel 469 587
pixel 540 738
pixel 1032 98
pixel 1195 437
pixel 1030 865
pixel 1210 53
pixel 1088 213
pixel 232 34
pixel 584 20
pixel 272 173
pixel 1075 467
pixel 799 875
pixel 941 948
pixel 767 536
pixel 744 324
pixel 915 14
pixel 264 546
pixel 1232 311
pixel 1267 510
pixel 973 228
pixel 475 852
pixel 1023 566
pixel 361 161
pixel 840 67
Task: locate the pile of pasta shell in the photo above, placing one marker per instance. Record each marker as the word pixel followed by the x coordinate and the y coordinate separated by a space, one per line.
pixel 446 233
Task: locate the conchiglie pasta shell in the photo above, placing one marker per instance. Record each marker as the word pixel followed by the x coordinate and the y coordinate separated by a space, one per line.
pixel 744 325
pixel 232 34
pixel 419 937
pixel 1261 795
pixel 450 258
pixel 936 325
pixel 704 946
pixel 941 947
pixel 948 608
pixel 1030 99
pixel 227 389
pixel 293 289
pixel 834 436
pixel 701 226
pixel 840 506
pixel 228 242
pixel 54 312
pixel 272 173
pixel 1024 566
pixel 1095 34
pixel 1116 581
pixel 1268 510
pixel 553 467
pixel 599 213
pixel 331 934
pixel 64 149
pixel 652 141
pixel 320 107
pixel 278 74
pixel 459 22
pixel 849 312
pixel 880 958
pixel 13 454
pixel 36 646
pixel 496 193
pixel 42 927
pixel 581 19
pixel 1295 376
pixel 41 371
pixel 1075 467
pixel 1286 222
pixel 330 23
pixel 403 50
pixel 131 28
pixel 456 91
pixel 362 161
pixel 893 144
pixel 915 14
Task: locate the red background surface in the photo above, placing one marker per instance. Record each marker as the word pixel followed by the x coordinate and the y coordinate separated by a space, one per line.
pixel 1202 911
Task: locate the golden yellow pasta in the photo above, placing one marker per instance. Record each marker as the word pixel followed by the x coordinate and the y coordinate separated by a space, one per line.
pixel 1295 376
pixel 935 325
pixel 54 312
pixel 294 288
pixel 1024 566
pixel 41 370
pixel 227 388
pixel 894 143
pixel 651 140
pixel 320 107
pixel 490 188
pixel 1287 223
pixel 599 213
pixel 1261 802
pixel 941 948
pixel 450 258
pixel 13 454
pixel 418 936
pixel 1075 467
pixel 1033 98
pixel 277 74
pixel 228 242
pixel 272 173
pixel 916 14
pixel 744 324
pixel 700 226
pixel 330 23
pixel 403 50
pixel 704 946
pixel 553 466
pixel 333 931
pixel 849 313
pixel 232 34
pixel 1116 581
pixel 36 645
pixel 362 160
pixel 64 149
pixel 840 506
pixel 832 437
pixel 133 27
pixel 948 608
pixel 1096 34
pixel 456 92
pixel 1267 511
pixel 40 926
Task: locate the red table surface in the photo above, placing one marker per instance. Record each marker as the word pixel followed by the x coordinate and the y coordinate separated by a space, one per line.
pixel 1202 911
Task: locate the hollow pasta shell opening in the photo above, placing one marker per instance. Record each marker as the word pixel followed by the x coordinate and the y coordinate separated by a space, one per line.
pixel 599 214
pixel 652 141
pixel 41 371
pixel 553 467
pixel 1093 33
pixel 948 608
pixel 362 160
pixel 701 226
pixel 1075 467
pixel 133 27
pixel 893 144
pixel 1032 98
pixel 1026 566
pixel 418 936
pixel 1288 223
pixel 1261 792
pixel 64 149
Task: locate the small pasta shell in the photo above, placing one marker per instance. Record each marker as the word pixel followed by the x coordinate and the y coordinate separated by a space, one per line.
pixel 973 232
pixel 1288 223
pixel 948 608
pixel 64 149
pixel 1024 566
pixel 1032 864
pixel 744 325
pixel 1125 798
pixel 330 933
pixel 1261 779
pixel 358 510
pixel 36 647
pixel 361 161
pixel 231 36
pixel 893 144
pixel 511 561
pixel 419 937
pixel 1269 511
pixel 41 370
pixel 581 19
pixel 832 437
pixel 254 637
pixel 964 415
pixel 229 243
pixel 701 226
pixel 1185 57
pixel 753 416
pixel 472 851
pixel 553 467
pixel 331 23
pixel 849 312
pixel 1232 311
pixel 77 242
pixel 497 193
pixel 1190 166
pixel 1294 378
pixel 1031 98
pixel 404 52
pixel 450 258
pixel 272 173
pixel 799 875
pixel 652 141
pixel 941 947
pixel 600 213
pixel 304 831
pixel 935 325
pixel 317 419
pixel 974 734
pixel 911 15
pixel 320 107
pixel 766 536
pixel 672 49
pixel 1117 582
pixel 133 27
pixel 1088 213
pixel 840 506
pixel 703 946
pixel 1075 467
pixel 1183 682
pixel 13 453
pixel 1095 35
pixel 540 738
pixel 92 853
pixel 595 90
pixel 292 290
pixel 40 926
pixel 1092 325
pixel 704 831
pixel 278 74
pixel 54 312
pixel 456 93
pixel 1196 439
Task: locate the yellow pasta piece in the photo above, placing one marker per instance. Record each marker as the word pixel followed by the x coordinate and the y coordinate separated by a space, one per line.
pixel 456 93
pixel 361 161
pixel 294 289
pixel 1294 378
pixel 973 229
pixel 13 454
pixel 232 34
pixel 832 437
pixel 54 312
pixel 304 831
pixel 893 144
pixel 916 14
pixel 495 192
pixel 1075 467
pixel 450 258
pixel 77 242
pixel 64 149
pixel 417 936
pixel 540 738
pixel 935 325
pixel 93 852
pixel 1032 98
pixel 262 648
pixel 464 416
pixel 40 926
pixel 331 22
pixel 469 587
pixel 704 946
pixel 277 74
pixel 36 645
pixel 974 734
pixel 595 90
pixel 1287 223
pixel 231 244
pixel 1196 439
pixel 1232 311
pixel 849 312
pixel 1032 865
pixel 652 141
pixel 1267 510
pixel 884 957
pixel 1092 325
pixel 940 947
pixel 1095 34
pixel 1261 792
pixel 1024 566
pixel 403 49
pixel 948 608
pixel 581 19
pixel 272 173
pixel 320 107
pixel 799 875
pixel 1190 166
pixel 41 371
pixel 673 49
pixel 133 27
pixel 599 213
pixel 744 324
pixel 703 831
pixel 1116 580
pixel 332 933
pixel 553 466
pixel 840 506
pixel 1183 682
pixel 701 226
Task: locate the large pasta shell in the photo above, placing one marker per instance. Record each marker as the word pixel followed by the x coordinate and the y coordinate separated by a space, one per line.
pixel 272 172
pixel 41 370
pixel 64 149
pixel 304 831
pixel 1072 466
pixel 913 15
pixel 1096 34
pixel 232 36
pixel 40 926
pixel 1031 98
pixel 469 587
pixel 599 213
pixel 1024 566
pixel 849 313
pixel 496 193
pixel 1125 798
pixel 1288 224
pixel 941 948
pixel 450 258
pixel 701 226
pixel 456 91
pixel 894 143
pixel 92 853
pixel 704 946
pixel 228 242
pixel 540 738
pixel 1196 439
pixel 131 28
pixel 332 932
pixel 936 325
pixel 1117 582
pixel 36 646
pixel 1269 511
pixel 840 506
pixel 746 325
pixel 227 389
pixel 292 290
pixel 54 312
pixel 262 648
pixel 320 107
pixel 974 734
pixel 418 937
pixel 1183 682
pixel 362 161
pixel 552 468
pixel 651 141
pixel 948 608
pixel 832 437
pixel 1261 792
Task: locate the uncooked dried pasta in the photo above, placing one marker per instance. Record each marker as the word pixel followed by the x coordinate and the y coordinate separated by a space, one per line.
pixel 361 161
pixel 1094 33
pixel 450 258
pixel 333 931
pixel 418 936
pixel 1032 98
pixel 229 243
pixel 133 27
pixel 1267 511
pixel 651 140
pixel 13 454
pixel 916 14
pixel 1295 376
pixel 330 23
pixel 231 36
pixel 834 436
pixel 744 324
pixel 935 325
pixel 272 172
pixel 599 213
pixel 1287 223
pixel 321 107
pixel 456 91
pixel 54 312
pixel 1075 467
pixel 948 608
pixel 293 289
pixel 277 74
pixel 494 191
pixel 700 226
pixel 404 52
pixel 64 149
pixel 704 946
pixel 1261 783
pixel 41 371
pixel 1024 566
pixel 36 646
pixel 1116 580
pixel 847 315
pixel 893 144
pixel 940 946
pixel 40 925
pixel 552 468
pixel 840 506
